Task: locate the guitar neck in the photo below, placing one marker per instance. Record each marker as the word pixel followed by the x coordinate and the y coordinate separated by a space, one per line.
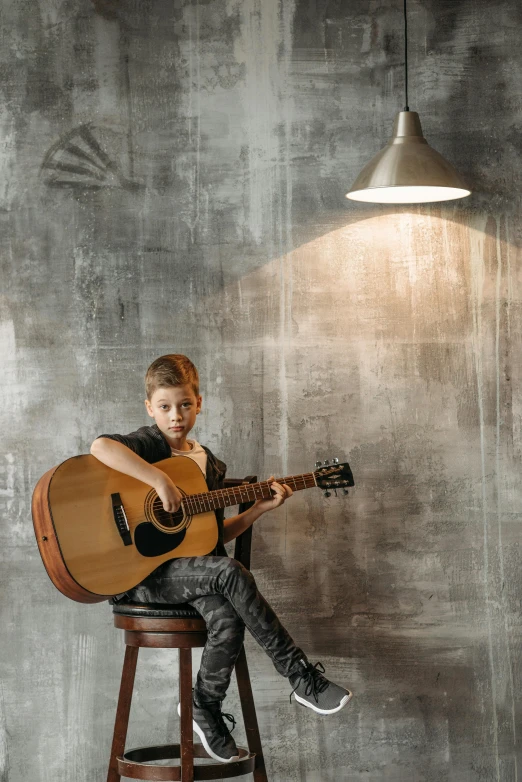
pixel 247 492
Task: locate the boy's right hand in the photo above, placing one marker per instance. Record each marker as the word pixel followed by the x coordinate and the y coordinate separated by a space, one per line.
pixel 119 457
pixel 168 493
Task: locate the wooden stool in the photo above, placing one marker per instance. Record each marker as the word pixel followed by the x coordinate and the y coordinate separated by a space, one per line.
pixel 179 627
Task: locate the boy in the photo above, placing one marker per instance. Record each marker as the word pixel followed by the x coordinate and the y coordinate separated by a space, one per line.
pixel 221 589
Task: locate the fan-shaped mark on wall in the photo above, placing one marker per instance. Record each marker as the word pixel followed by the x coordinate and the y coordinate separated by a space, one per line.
pixel 78 161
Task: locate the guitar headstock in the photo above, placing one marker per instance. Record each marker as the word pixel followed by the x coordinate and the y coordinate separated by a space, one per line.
pixel 333 475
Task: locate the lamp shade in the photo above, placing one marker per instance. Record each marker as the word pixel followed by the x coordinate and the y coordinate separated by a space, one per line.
pixel 407 170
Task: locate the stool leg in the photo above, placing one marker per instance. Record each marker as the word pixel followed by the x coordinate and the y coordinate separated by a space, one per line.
pixel 185 697
pixel 123 711
pixel 249 716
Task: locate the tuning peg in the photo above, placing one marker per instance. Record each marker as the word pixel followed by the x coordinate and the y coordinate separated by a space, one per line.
pixel 336 460
pixel 327 493
pixel 318 464
pixel 326 462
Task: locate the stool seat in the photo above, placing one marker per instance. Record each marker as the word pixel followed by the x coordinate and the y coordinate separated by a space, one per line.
pixel 158 610
pixel 167 625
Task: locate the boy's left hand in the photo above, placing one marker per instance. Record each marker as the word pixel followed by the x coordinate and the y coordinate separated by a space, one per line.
pixel 282 493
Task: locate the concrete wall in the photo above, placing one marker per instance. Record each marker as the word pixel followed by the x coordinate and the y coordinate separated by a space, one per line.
pixel 172 179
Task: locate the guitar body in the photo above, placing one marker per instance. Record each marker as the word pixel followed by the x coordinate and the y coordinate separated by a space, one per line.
pixel 81 545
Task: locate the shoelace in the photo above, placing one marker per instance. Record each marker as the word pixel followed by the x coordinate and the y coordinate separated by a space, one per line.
pixel 232 721
pixel 218 714
pixel 315 681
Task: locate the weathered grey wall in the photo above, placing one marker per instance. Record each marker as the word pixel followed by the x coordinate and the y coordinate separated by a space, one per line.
pixel 212 222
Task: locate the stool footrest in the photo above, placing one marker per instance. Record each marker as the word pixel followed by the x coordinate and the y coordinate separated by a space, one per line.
pixel 136 764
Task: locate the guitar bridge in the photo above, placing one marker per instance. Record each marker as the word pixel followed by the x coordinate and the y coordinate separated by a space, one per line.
pixel 120 519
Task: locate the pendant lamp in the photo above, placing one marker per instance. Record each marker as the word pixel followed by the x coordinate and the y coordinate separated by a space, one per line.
pixel 407 170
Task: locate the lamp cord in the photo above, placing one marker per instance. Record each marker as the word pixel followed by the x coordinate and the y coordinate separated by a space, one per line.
pixel 406 108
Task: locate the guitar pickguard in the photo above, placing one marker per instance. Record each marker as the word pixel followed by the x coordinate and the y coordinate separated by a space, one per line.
pixel 151 542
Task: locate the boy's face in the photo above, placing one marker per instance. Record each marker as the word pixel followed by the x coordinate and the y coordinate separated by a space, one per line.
pixel 174 409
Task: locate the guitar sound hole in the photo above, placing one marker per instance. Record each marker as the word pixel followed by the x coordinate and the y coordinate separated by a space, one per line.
pixel 166 519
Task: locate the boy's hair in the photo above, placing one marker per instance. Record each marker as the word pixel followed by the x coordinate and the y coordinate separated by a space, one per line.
pixel 171 370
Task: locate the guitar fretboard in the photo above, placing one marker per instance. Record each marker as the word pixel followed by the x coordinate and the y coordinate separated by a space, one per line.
pixel 247 492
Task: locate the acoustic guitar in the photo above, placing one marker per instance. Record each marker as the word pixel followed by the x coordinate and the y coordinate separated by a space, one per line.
pixel 100 532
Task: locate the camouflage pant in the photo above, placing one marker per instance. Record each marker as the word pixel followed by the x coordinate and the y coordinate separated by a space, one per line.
pixel 225 594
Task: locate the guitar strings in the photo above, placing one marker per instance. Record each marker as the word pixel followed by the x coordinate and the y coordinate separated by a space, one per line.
pixel 205 501
pixel 262 484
